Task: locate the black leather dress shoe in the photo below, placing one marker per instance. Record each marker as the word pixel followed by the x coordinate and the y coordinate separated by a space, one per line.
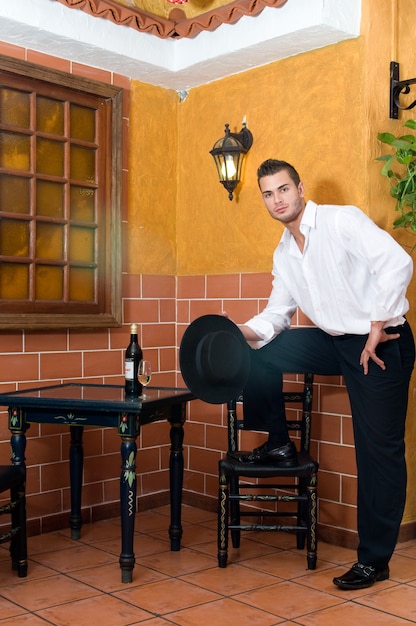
pixel 285 456
pixel 361 576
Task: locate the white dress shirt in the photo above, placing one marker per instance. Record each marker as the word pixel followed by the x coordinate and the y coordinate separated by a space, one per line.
pixel 350 273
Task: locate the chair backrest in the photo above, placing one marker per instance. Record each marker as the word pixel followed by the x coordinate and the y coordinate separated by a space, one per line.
pixel 299 421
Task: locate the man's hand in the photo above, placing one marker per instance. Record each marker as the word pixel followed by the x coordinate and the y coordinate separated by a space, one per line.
pixel 377 335
pixel 249 335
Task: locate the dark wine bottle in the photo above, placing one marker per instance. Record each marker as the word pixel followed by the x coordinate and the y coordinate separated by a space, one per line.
pixel 133 357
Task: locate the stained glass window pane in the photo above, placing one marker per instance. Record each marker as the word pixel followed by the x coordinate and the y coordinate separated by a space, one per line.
pixel 14 281
pixel 50 116
pixel 81 284
pixel 82 204
pixel 49 282
pixel 14 194
pixel 82 164
pixel 14 151
pixel 14 238
pixel 14 107
pixel 82 123
pixel 49 157
pixel 81 244
pixel 49 199
pixel 49 241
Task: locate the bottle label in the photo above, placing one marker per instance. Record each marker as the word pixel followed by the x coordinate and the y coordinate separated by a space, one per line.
pixel 129 370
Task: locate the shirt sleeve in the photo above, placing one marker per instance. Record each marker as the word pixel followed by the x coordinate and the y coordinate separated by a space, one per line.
pixel 389 264
pixel 277 314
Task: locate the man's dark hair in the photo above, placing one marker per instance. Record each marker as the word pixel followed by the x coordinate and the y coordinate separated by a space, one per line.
pixel 273 166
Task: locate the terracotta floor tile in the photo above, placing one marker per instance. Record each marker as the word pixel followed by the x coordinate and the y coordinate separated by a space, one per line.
pixel 288 600
pixel 196 516
pixel 266 582
pixel 107 578
pixel 103 609
pixel 402 568
pixel 75 558
pixel 49 542
pixel 226 611
pixel 210 548
pixel 24 620
pixel 9 609
pixel 350 614
pixel 249 549
pixel 166 596
pixel 35 570
pixel 399 601
pixel 156 621
pixel 104 529
pixel 284 564
pixel 230 580
pixel 408 549
pixel 143 545
pixel 335 554
pixel 286 541
pixel 38 594
pixel 195 534
pixel 151 521
pixel 178 563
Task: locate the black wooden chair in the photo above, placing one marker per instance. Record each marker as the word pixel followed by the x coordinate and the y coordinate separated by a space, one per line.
pixel 13 479
pixel 291 491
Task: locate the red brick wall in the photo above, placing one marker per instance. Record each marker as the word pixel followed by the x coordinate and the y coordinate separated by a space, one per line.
pixel 163 306
pixel 243 295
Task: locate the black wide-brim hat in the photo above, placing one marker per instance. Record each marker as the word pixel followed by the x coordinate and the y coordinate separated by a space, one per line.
pixel 214 359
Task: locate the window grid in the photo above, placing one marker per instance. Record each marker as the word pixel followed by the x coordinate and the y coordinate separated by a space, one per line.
pixel 59 151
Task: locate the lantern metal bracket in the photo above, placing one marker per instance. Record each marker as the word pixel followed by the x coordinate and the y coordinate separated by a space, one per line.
pixel 245 137
pixel 398 87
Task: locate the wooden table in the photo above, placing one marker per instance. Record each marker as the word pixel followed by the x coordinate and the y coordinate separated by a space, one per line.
pixel 82 404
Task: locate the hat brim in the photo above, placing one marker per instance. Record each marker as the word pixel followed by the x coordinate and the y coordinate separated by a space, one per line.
pixel 229 353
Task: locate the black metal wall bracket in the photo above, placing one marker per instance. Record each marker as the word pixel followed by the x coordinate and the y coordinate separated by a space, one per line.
pixel 396 88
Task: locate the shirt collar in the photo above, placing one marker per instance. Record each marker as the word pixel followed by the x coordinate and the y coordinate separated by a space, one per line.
pixel 308 221
pixel 309 215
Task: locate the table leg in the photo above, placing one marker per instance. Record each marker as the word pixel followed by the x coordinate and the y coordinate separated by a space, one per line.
pixel 127 507
pixel 176 476
pixel 76 465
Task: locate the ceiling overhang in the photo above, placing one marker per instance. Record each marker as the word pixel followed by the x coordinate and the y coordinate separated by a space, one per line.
pixel 177 24
pixel 297 26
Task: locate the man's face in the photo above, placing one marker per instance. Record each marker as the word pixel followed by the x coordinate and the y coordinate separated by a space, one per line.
pixel 282 198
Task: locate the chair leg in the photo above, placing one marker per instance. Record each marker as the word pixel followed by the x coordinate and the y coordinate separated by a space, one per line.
pixel 18 544
pixel 235 511
pixel 312 517
pixel 223 512
pixel 302 515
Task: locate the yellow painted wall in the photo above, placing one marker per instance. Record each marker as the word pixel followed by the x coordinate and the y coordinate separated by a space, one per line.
pixel 153 165
pixel 320 110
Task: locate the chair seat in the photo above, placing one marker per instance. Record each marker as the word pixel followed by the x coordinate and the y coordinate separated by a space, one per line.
pixel 231 465
pixel 11 476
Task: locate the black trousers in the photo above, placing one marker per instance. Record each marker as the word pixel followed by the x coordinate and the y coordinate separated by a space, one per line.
pixel 378 404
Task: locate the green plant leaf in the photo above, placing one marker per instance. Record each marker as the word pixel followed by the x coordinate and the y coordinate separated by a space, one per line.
pixel 402 183
pixel 386 138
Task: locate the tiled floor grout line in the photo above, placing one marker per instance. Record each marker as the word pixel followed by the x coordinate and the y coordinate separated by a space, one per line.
pixel 388 603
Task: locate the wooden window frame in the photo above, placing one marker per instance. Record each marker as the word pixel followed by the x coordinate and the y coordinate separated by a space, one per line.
pixel 109 314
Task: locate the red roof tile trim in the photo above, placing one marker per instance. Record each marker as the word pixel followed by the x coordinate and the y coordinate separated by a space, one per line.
pixel 178 25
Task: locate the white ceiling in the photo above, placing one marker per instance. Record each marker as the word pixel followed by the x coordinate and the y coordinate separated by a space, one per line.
pixel 300 25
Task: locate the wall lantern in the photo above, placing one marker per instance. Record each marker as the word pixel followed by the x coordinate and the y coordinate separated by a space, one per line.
pixel 398 87
pixel 228 156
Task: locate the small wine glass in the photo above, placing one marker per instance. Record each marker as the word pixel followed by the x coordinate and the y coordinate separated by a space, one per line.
pixel 144 374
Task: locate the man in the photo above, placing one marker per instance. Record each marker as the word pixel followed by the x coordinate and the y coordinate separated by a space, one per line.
pixel 349 278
